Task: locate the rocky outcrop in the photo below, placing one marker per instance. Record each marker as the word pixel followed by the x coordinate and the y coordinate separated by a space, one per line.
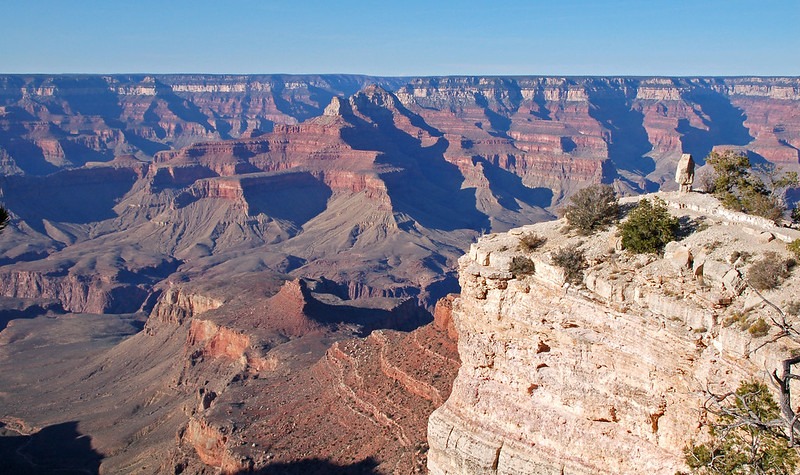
pixel 178 304
pixel 210 445
pixel 210 340
pixel 360 398
pixel 607 376
pixel 282 374
pixel 76 293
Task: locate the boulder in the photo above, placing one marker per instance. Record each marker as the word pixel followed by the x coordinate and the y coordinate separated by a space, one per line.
pixel 678 255
pixel 733 283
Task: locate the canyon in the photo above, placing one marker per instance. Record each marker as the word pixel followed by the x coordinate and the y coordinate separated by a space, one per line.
pixel 202 272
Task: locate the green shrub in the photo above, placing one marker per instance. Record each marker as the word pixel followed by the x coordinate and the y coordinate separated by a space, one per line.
pixel 531 242
pixel 794 248
pixel 649 227
pixel 769 207
pixel 731 172
pixel 591 209
pixel 743 437
pixel 739 187
pixel 759 328
pixel 572 260
pixel 521 265
pixel 769 272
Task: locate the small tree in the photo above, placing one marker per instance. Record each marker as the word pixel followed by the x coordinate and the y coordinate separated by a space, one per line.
pixel 746 436
pixel 731 173
pixel 3 218
pixel 740 187
pixel 592 208
pixel 649 227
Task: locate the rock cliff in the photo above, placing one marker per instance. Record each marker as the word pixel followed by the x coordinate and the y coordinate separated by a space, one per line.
pixel 639 125
pixel 606 376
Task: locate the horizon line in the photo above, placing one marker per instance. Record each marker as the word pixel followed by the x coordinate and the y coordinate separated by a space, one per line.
pixel 406 76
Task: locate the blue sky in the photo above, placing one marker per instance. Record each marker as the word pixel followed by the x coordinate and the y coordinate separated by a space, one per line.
pixel 475 37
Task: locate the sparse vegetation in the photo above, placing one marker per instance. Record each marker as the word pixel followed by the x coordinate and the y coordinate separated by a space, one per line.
pixel 739 256
pixel 531 241
pixel 793 308
pixel 740 187
pixel 649 227
pixel 591 209
pixel 572 260
pixel 769 271
pixel 702 225
pixel 794 248
pixel 737 317
pixel 744 437
pixel 521 265
pixel 759 328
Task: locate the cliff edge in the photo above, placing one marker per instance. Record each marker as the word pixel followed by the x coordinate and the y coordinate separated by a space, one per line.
pixel 608 376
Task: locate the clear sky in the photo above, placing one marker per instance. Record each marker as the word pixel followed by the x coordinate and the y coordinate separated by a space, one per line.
pixel 394 38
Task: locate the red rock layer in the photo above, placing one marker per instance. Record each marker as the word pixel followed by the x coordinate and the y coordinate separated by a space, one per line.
pixel 364 399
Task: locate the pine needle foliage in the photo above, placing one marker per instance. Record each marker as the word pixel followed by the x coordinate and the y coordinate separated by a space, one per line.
pixel 745 437
pixel 649 227
pixel 753 190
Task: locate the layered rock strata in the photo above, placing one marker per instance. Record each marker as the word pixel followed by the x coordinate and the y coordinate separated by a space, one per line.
pixel 606 376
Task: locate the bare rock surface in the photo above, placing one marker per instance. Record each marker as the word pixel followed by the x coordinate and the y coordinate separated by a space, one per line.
pixel 606 376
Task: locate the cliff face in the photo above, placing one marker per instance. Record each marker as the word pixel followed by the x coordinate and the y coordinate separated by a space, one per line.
pixel 76 293
pixel 607 376
pixel 49 122
pixel 636 126
pixel 344 402
pixel 639 125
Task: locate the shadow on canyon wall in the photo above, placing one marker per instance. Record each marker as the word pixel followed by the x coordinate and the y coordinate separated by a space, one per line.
pixel 628 141
pixel 57 449
pixel 724 122
pixel 71 196
pixel 318 467
pixel 508 189
pixel 33 311
pixel 299 203
pixel 423 184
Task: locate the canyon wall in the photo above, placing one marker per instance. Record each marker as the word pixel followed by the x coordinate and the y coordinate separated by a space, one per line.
pixel 638 125
pixel 607 376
